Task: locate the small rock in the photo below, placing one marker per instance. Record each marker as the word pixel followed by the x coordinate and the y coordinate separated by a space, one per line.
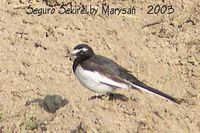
pixel 51 103
pixel 81 128
pixel 51 2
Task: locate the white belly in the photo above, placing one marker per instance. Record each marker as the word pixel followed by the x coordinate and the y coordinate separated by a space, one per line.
pixel 95 82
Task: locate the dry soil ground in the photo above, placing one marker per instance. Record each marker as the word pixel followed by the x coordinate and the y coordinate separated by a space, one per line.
pixel 162 50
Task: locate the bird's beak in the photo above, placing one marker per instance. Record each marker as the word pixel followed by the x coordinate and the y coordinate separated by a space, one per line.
pixel 72 57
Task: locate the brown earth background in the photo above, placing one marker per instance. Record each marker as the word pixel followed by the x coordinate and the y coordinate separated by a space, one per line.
pixel 162 50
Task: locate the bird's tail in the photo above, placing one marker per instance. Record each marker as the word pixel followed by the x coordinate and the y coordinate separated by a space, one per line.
pixel 141 86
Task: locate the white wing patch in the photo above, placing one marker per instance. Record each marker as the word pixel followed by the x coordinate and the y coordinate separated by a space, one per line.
pixel 103 79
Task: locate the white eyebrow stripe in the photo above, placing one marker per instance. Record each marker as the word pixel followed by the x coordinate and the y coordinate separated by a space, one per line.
pixel 84 49
pixel 78 50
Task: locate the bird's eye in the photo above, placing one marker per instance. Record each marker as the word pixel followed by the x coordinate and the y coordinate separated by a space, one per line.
pixel 81 52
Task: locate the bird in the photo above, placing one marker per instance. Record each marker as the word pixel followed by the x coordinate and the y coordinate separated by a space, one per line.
pixel 103 75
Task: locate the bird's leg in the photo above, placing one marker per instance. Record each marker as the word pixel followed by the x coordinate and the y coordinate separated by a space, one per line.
pixel 94 97
pixel 110 96
pixel 104 96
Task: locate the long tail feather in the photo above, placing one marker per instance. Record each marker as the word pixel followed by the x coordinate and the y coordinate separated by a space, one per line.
pixel 141 86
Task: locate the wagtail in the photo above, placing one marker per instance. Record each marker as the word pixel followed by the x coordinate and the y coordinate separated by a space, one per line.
pixel 102 75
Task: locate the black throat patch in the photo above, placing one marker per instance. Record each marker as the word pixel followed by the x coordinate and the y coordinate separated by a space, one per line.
pixel 81 57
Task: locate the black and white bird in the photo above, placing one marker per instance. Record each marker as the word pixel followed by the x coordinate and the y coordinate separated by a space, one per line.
pixel 102 75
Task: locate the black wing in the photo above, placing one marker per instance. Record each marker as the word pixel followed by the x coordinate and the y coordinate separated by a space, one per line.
pixel 109 67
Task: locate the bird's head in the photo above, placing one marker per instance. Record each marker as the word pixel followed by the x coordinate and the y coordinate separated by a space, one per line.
pixel 81 52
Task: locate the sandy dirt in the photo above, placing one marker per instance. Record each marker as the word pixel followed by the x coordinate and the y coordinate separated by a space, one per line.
pixel 162 50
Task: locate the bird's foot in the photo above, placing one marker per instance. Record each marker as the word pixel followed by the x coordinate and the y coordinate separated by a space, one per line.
pixel 101 97
pixel 116 96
